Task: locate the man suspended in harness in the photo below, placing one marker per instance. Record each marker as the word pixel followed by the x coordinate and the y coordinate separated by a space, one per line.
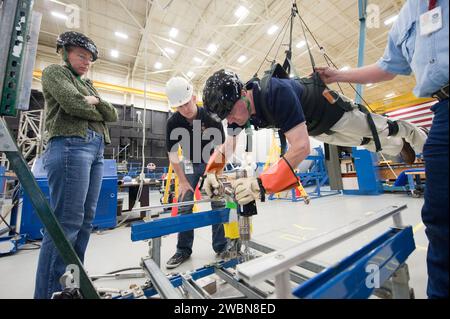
pixel 299 108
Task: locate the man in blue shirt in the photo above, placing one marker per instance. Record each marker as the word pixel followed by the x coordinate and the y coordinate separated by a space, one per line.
pixel 418 43
pixel 299 109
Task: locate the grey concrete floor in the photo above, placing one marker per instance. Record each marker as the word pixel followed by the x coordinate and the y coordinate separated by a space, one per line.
pixel 279 224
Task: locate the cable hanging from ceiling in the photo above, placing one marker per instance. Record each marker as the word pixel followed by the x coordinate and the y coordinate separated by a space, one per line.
pixel 288 65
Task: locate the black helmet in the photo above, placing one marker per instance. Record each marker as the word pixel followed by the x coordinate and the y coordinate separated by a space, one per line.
pixel 76 39
pixel 222 90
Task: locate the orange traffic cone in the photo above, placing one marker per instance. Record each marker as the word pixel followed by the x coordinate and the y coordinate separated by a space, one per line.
pixel 298 194
pixel 198 194
pixel 174 209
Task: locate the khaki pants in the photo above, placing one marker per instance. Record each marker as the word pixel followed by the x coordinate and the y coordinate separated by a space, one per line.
pixel 352 128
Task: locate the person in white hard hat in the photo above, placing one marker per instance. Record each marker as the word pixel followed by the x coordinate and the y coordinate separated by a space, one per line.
pixel 192 128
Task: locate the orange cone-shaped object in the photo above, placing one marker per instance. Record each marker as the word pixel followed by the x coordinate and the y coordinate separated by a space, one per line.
pixel 175 209
pixel 198 194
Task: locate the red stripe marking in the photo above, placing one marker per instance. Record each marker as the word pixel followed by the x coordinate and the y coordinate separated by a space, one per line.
pixel 413 116
pixel 408 112
pixel 420 121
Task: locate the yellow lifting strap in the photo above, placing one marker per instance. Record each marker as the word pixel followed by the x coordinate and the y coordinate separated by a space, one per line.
pixel 177 183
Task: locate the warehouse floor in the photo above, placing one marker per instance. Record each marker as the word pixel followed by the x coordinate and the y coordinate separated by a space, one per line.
pixel 280 224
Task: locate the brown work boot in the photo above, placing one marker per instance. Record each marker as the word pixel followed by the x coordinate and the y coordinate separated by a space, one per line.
pixel 408 155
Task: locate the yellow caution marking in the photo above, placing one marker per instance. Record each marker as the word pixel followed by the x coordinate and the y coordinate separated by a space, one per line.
pixel 305 228
pixel 418 227
pixel 295 239
pixel 421 248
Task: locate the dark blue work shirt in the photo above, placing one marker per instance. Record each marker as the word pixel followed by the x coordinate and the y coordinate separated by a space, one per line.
pixel 283 104
pixel 197 138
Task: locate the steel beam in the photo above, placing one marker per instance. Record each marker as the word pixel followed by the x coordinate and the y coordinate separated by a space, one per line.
pixel 172 225
pixel 360 274
pixel 7 15
pixel 26 80
pixel 250 292
pixel 362 45
pixel 194 290
pixel 310 266
pixel 161 283
pixel 277 262
pixel 43 210
pixel 182 204
pixel 197 274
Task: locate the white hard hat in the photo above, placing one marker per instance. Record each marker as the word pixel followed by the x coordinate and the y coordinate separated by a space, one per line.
pixel 179 91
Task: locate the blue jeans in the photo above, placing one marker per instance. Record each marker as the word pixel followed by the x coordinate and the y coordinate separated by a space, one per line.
pixel 436 208
pixel 186 239
pixel 74 167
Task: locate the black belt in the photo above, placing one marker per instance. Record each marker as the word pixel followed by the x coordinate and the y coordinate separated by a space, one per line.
pixel 442 94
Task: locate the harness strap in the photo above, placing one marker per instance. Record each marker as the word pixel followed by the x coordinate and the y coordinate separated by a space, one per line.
pixel 372 127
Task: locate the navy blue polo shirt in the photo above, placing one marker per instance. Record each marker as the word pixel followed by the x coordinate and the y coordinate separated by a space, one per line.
pixel 180 131
pixel 283 100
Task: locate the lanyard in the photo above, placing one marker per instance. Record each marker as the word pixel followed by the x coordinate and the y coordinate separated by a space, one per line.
pixel 432 4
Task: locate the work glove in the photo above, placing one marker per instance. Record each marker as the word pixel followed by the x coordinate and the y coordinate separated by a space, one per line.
pixel 215 166
pixel 246 190
pixel 212 185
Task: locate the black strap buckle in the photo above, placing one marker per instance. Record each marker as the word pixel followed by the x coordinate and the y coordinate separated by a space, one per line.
pixel 262 190
pixel 442 94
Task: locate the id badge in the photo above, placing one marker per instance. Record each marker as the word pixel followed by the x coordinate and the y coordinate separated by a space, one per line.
pixel 431 21
pixel 188 167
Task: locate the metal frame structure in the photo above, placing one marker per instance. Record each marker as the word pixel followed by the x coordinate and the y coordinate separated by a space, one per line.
pixel 350 276
pixel 279 263
pixel 347 279
pixel 316 176
pixel 30 137
pixel 166 226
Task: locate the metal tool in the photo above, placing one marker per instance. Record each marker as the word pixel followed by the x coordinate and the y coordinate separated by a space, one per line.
pixel 245 213
pixel 163 206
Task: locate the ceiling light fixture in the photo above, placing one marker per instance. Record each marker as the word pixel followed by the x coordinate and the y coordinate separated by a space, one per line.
pixel 121 35
pixel 59 15
pixel 173 32
pixel 212 48
pixel 241 12
pixel 114 53
pixel 301 44
pixel 242 59
pixel 272 30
